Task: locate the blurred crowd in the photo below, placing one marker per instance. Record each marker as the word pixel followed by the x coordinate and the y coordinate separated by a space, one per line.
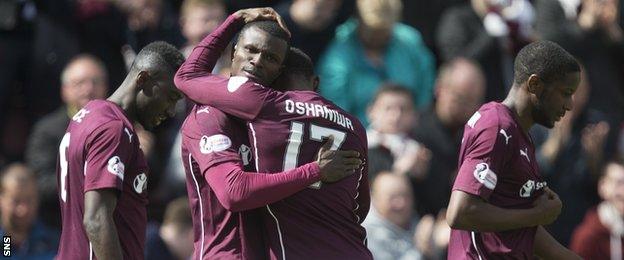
pixel 413 71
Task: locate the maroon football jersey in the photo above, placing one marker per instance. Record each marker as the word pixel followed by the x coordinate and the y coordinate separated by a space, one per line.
pixel 100 150
pixel 497 163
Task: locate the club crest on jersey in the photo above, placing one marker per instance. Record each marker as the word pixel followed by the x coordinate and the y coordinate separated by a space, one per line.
pixel 116 167
pixel 245 154
pixel 80 115
pixel 140 183
pixel 215 143
pixel 529 187
pixel 484 175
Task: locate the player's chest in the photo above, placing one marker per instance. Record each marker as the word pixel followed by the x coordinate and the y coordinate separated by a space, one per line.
pixel 522 181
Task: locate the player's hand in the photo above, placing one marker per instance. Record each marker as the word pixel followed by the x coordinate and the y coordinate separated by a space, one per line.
pixel 261 14
pixel 336 165
pixel 548 207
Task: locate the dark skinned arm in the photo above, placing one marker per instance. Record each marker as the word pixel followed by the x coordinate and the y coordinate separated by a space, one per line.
pixel 98 222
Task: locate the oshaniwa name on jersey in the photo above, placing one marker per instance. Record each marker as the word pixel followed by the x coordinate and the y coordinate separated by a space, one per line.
pixel 317 110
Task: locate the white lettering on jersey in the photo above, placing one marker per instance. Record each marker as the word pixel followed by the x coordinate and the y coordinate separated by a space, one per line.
pixel 116 167
pixel 318 110
pixel 140 183
pixel 80 115
pixel 128 133
pixel 525 153
pixel 473 119
pixel 215 143
pixel 203 110
pixel 245 154
pixel 529 187
pixel 484 175
pixel 502 131
pixel 236 82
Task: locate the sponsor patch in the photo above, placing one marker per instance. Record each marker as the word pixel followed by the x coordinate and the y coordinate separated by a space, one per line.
pixel 215 143
pixel 245 154
pixel 484 175
pixel 116 167
pixel 529 187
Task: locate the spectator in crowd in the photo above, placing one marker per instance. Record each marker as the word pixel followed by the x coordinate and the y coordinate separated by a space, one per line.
pixel 594 35
pixel 601 235
pixel 372 49
pixel 392 224
pixel 314 23
pixel 392 117
pixel 197 19
pixel 148 21
pixel 84 78
pixel 173 240
pixel 459 90
pixel 19 203
pixel 489 32
pixel 570 157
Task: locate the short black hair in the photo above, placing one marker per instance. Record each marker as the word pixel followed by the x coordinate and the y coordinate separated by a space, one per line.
pixel 157 57
pixel 546 59
pixel 298 61
pixel 271 27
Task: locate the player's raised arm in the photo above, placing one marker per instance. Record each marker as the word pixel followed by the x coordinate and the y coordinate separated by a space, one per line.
pixel 100 225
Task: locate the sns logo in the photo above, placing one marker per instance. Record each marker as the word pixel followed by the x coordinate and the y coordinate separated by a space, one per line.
pixel 529 187
pixel 116 167
pixel 484 175
pixel 140 183
pixel 245 154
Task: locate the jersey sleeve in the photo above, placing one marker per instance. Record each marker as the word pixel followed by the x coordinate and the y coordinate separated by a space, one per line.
pixel 484 161
pixel 108 152
pixel 236 96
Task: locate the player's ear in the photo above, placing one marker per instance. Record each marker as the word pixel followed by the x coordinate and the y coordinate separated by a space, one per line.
pixel 316 81
pixel 143 82
pixel 535 85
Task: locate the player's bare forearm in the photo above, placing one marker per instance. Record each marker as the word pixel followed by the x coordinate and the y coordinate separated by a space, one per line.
pixel 470 212
pixel 547 247
pixel 100 225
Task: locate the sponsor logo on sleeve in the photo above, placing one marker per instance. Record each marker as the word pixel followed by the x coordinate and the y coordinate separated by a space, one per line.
pixel 215 143
pixel 484 175
pixel 473 119
pixel 140 183
pixel 116 167
pixel 236 82
pixel 80 115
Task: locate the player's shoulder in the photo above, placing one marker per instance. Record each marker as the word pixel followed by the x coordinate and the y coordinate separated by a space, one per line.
pixel 204 119
pixel 490 116
pixel 98 115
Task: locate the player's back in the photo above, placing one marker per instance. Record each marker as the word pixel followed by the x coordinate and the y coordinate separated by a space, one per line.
pixel 316 222
pixel 208 138
pixel 101 151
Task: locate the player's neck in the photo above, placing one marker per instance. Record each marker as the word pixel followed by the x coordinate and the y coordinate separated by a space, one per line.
pixel 125 97
pixel 518 103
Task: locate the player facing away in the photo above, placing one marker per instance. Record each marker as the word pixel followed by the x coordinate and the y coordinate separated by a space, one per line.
pixel 286 130
pixel 215 152
pixel 499 201
pixel 102 173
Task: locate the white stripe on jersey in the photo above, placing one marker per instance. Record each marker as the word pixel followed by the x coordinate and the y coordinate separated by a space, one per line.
pixel 90 251
pixel 474 243
pixel 279 230
pixel 201 209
